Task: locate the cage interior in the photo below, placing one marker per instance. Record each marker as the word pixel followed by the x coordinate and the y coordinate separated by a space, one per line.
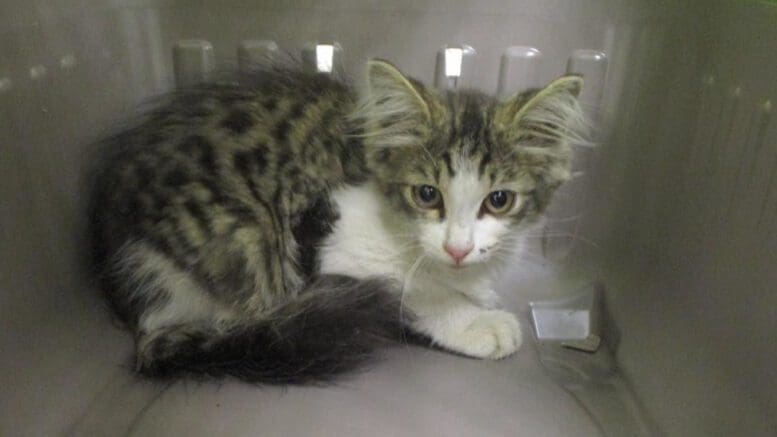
pixel 650 292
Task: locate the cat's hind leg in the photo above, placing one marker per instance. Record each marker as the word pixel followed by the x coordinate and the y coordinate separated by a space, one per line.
pixel 152 293
pixel 182 329
pixel 237 278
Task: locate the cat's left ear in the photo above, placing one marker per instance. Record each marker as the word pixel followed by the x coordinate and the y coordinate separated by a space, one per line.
pixel 551 115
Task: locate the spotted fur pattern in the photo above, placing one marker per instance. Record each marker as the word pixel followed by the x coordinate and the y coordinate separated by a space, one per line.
pixel 216 217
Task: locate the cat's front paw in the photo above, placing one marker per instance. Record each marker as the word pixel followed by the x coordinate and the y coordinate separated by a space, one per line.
pixel 491 334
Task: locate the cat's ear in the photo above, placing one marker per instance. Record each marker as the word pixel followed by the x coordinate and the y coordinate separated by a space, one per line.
pixel 395 109
pixel 551 116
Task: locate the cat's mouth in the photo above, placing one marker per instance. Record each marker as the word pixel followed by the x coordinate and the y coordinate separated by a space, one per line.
pixel 460 266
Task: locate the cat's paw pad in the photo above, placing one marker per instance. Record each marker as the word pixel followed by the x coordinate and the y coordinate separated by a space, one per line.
pixel 492 334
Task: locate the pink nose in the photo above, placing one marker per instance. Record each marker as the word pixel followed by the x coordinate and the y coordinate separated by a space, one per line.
pixel 458 253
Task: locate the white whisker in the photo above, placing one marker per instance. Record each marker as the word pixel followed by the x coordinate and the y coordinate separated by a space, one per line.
pixel 406 284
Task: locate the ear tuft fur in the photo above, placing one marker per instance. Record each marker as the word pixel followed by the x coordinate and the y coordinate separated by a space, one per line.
pixel 541 126
pixel 552 115
pixel 393 111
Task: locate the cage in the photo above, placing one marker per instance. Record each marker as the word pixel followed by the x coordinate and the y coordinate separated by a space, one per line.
pixel 650 293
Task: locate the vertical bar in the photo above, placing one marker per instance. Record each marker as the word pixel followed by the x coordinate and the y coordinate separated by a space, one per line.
pixel 322 58
pixel 253 53
pixel 193 61
pixel 518 70
pixel 455 67
pixel 592 66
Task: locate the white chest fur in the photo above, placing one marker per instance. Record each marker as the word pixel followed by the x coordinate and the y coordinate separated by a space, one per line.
pixel 453 306
pixel 366 242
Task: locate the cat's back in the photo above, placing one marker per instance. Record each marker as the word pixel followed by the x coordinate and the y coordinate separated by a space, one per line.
pixel 269 136
pixel 276 110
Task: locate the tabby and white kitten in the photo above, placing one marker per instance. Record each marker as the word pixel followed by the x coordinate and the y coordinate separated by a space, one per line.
pixel 276 228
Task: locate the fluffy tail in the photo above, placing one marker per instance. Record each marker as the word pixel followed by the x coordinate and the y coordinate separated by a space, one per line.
pixel 331 328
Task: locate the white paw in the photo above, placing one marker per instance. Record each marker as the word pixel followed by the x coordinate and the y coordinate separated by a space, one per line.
pixel 491 334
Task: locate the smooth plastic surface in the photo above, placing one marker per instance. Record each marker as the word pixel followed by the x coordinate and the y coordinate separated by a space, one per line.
pixel 193 61
pixel 572 318
pixel 518 70
pixel 455 67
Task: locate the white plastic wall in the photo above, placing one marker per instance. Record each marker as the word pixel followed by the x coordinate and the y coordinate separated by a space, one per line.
pixel 690 176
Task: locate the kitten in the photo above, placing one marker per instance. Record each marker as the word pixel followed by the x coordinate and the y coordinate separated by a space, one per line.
pixel 277 228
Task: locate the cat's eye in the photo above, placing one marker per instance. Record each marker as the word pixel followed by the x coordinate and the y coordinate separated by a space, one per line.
pixel 426 196
pixel 499 202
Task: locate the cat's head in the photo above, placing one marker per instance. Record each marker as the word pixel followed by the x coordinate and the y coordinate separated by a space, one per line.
pixel 465 172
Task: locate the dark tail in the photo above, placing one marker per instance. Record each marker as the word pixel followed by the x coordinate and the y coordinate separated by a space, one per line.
pixel 331 328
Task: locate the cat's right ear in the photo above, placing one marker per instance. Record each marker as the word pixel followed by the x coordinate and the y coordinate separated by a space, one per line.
pixel 395 110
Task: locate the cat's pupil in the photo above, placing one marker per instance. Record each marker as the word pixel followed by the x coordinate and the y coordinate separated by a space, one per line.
pixel 498 199
pixel 427 193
